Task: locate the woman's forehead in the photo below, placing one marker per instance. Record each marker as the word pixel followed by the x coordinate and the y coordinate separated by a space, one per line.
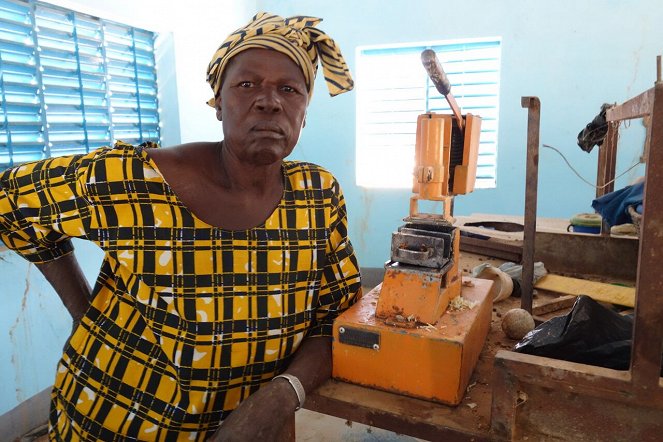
pixel 264 61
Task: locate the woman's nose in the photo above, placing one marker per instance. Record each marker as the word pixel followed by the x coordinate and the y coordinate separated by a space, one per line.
pixel 269 101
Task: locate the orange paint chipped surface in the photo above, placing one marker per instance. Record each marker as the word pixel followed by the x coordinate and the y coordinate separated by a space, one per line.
pixel 428 361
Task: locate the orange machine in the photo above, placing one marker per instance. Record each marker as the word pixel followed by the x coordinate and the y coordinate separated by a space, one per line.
pixel 402 336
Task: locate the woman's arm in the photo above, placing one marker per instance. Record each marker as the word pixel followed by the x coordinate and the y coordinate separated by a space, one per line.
pixel 66 277
pixel 267 413
pixel 42 206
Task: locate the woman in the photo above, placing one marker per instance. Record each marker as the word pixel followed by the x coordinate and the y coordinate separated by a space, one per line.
pixel 224 265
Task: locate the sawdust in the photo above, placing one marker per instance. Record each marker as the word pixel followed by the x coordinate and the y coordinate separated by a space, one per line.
pixel 401 321
pixel 459 303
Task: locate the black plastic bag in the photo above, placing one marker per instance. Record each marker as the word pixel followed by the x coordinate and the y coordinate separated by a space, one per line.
pixel 594 133
pixel 590 334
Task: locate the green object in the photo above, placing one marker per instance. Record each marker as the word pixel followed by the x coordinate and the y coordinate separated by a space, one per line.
pixel 587 220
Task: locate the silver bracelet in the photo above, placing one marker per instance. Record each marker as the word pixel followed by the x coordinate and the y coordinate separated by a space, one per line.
pixel 299 388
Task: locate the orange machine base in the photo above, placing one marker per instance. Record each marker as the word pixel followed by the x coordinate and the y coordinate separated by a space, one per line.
pixel 433 362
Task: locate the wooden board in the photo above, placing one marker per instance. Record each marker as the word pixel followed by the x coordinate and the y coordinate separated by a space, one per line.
pixel 553 305
pixel 544 399
pixel 598 291
pixel 612 258
pixel 556 225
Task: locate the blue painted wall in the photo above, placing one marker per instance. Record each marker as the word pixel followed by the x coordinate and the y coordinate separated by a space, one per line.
pixel 34 324
pixel 573 55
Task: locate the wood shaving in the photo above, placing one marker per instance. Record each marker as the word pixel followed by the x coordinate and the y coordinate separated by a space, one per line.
pixel 469 387
pixel 459 303
pixel 426 326
pixel 401 321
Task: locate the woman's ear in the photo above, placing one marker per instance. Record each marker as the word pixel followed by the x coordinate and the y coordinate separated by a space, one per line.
pixel 217 106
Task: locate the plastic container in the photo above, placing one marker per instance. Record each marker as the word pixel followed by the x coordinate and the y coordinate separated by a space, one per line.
pixel 502 282
pixel 585 223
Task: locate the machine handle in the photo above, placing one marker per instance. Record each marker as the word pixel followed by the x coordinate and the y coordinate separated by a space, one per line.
pixel 435 71
pixel 441 82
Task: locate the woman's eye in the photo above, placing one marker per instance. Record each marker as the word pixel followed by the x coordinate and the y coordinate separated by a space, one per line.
pixel 289 89
pixel 245 84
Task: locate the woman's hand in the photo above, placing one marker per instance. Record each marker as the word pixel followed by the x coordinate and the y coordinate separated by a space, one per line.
pixel 66 277
pixel 268 414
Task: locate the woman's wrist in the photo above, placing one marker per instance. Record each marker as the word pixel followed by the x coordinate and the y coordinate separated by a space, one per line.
pixel 289 391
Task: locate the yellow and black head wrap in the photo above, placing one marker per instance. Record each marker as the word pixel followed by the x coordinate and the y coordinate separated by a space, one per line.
pixel 295 37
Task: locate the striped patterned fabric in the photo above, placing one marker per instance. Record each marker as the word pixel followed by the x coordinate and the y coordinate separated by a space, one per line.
pixel 295 37
pixel 187 319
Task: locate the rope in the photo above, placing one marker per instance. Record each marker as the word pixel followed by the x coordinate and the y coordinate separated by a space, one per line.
pixel 583 179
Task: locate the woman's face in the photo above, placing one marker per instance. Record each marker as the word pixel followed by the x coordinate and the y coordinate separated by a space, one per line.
pixel 262 105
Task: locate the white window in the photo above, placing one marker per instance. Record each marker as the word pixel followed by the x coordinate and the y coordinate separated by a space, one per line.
pixel 393 89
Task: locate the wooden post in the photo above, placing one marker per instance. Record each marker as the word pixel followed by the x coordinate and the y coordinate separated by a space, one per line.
pixel 531 185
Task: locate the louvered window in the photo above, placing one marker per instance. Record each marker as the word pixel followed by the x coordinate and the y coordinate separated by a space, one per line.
pixel 393 89
pixel 70 83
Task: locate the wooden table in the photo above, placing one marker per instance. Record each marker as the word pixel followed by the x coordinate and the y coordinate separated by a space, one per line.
pixel 469 421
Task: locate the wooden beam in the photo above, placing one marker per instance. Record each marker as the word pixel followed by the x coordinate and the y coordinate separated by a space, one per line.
pixel 401 414
pixel 493 248
pixel 599 291
pixel 554 305
pixel 613 258
pixel 636 107
pixel 26 416
pixel 648 333
pixel 606 168
pixel 537 398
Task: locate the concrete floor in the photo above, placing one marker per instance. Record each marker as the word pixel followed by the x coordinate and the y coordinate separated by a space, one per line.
pixel 316 427
pixel 310 427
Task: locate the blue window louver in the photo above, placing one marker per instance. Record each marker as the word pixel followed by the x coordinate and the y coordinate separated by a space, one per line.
pixel 70 83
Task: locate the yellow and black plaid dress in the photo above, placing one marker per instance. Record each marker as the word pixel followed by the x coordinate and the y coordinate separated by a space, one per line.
pixel 187 319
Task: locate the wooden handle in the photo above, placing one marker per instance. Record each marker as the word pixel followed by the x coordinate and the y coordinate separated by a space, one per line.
pixel 435 71
pixel 441 82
